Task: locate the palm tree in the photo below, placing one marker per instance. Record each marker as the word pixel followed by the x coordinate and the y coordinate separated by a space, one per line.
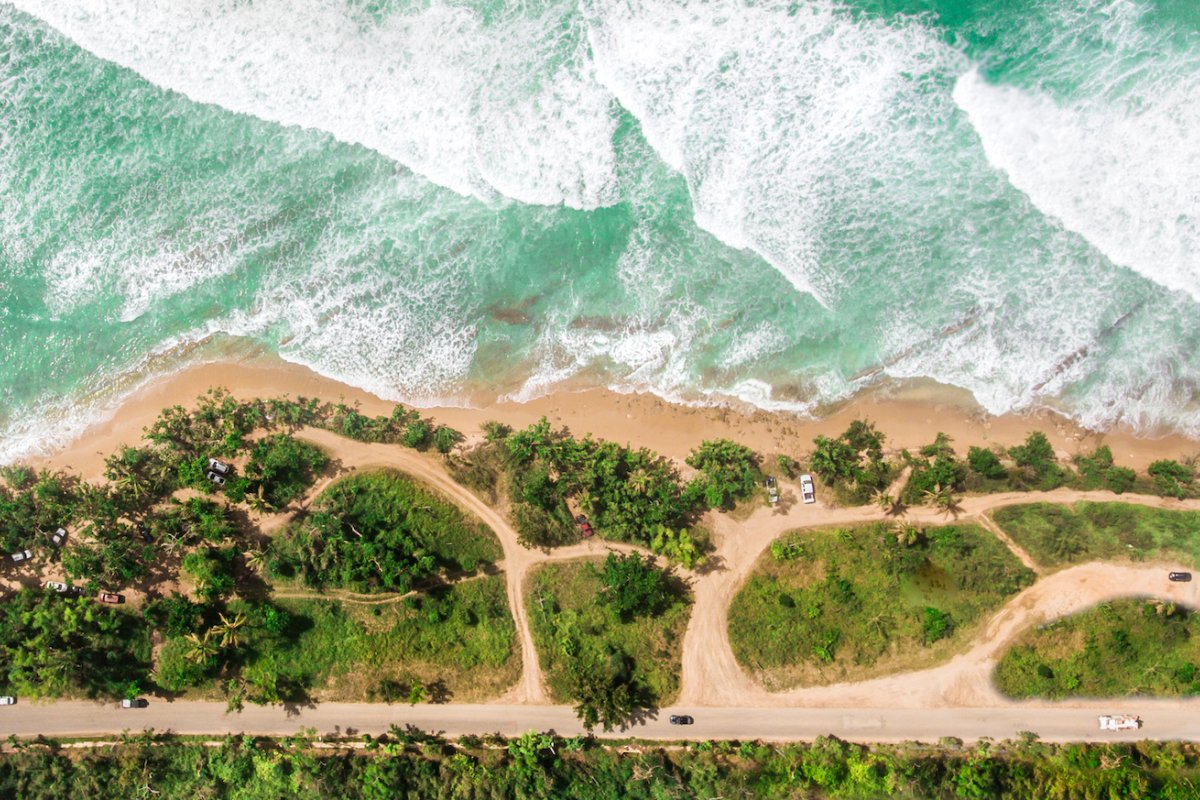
pixel 256 559
pixel 639 481
pixel 202 648
pixel 258 503
pixel 229 629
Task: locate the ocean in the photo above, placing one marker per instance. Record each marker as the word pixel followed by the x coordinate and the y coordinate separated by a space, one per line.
pixel 783 203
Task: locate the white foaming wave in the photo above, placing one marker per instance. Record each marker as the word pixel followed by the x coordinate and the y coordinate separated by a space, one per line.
pixel 481 108
pixel 765 108
pixel 1125 176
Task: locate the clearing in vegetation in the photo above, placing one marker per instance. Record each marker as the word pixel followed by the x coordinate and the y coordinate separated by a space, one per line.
pixel 609 634
pixel 1057 535
pixel 848 604
pixel 381 531
pixel 1117 649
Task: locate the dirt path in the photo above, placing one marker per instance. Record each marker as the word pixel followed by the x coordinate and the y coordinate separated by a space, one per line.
pixel 986 522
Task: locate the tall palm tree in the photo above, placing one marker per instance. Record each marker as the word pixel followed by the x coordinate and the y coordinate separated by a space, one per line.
pixel 230 637
pixel 202 647
pixel 256 559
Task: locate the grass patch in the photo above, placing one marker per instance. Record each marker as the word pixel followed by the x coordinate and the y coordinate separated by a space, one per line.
pixel 1057 535
pixel 458 641
pixel 569 623
pixel 381 531
pixel 847 604
pixel 1117 649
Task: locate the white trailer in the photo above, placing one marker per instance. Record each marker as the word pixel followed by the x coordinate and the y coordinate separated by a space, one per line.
pixel 1119 722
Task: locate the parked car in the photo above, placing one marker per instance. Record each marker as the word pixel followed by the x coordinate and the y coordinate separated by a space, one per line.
pixel 681 719
pixel 23 555
pixel 58 537
pixel 1179 577
pixel 215 478
pixel 585 527
pixel 137 702
pixel 8 700
pixel 807 490
pixel 218 466
pixel 64 588
pixel 772 490
pixel 109 597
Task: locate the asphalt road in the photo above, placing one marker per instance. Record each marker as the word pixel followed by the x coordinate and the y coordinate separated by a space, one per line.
pixel 867 725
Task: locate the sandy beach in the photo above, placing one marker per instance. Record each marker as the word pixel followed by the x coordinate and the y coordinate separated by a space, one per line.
pixel 910 417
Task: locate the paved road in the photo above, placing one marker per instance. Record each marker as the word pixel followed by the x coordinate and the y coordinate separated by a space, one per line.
pixel 1174 721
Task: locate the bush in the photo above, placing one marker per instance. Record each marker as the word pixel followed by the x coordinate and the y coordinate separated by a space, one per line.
pixel 417 433
pixel 936 472
pixel 282 467
pixel 1119 479
pixel 853 462
pixel 1171 478
pixel 211 569
pixel 730 471
pixel 986 463
pixel 1036 457
pixel 633 586
pixel 936 625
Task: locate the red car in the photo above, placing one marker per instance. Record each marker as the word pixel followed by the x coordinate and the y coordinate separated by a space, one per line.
pixel 585 527
pixel 109 597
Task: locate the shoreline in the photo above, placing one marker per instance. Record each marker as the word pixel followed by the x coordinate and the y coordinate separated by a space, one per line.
pixel 910 416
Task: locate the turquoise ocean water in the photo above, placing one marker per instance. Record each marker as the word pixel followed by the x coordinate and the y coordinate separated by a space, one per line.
pixel 783 202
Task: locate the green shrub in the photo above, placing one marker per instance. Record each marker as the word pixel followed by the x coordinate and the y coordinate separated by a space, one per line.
pixel 730 471
pixel 211 569
pixel 1036 457
pixel 634 586
pixel 986 463
pixel 853 462
pixel 281 467
pixel 936 625
pixel 1171 478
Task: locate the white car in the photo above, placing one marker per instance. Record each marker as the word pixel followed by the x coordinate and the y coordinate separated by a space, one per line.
pixel 8 700
pixel 218 466
pixel 58 537
pixel 807 490
pixel 215 478
pixel 1119 722
pixel 23 555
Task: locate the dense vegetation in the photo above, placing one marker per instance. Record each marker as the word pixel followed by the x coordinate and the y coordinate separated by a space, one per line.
pixel 832 605
pixel 852 464
pixel 627 494
pixel 52 646
pixel 1121 648
pixel 410 764
pixel 1055 535
pixel 614 657
pixel 381 531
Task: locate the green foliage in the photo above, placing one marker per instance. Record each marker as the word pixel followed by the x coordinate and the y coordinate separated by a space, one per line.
pixel 539 766
pixel 589 653
pixel 445 438
pixel 730 470
pixel 53 646
pixel 281 467
pixel 108 555
pixel 935 472
pixel 1122 648
pixel 211 569
pixel 833 605
pixel 634 586
pixel 627 493
pixel 417 434
pixel 853 462
pixel 1172 479
pixel 381 531
pixel 986 463
pixel 1037 460
pixel 1056 535
pixel 680 547
pixel 34 505
pixel 1096 471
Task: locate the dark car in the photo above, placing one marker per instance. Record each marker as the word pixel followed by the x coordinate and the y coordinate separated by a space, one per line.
pixel 585 527
pixel 1179 577
pixel 681 719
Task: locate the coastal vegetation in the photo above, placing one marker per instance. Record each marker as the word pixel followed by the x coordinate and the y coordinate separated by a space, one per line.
pixel 380 531
pixel 540 766
pixel 833 605
pixel 1117 649
pixel 1056 535
pixel 609 635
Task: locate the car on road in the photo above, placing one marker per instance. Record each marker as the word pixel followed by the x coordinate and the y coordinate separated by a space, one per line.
pixel 1119 722
pixel 64 588
pixel 681 719
pixel 58 537
pixel 1179 577
pixel 772 490
pixel 8 700
pixel 218 466
pixel 585 527
pixel 109 597
pixel 807 489
pixel 22 555
pixel 137 702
